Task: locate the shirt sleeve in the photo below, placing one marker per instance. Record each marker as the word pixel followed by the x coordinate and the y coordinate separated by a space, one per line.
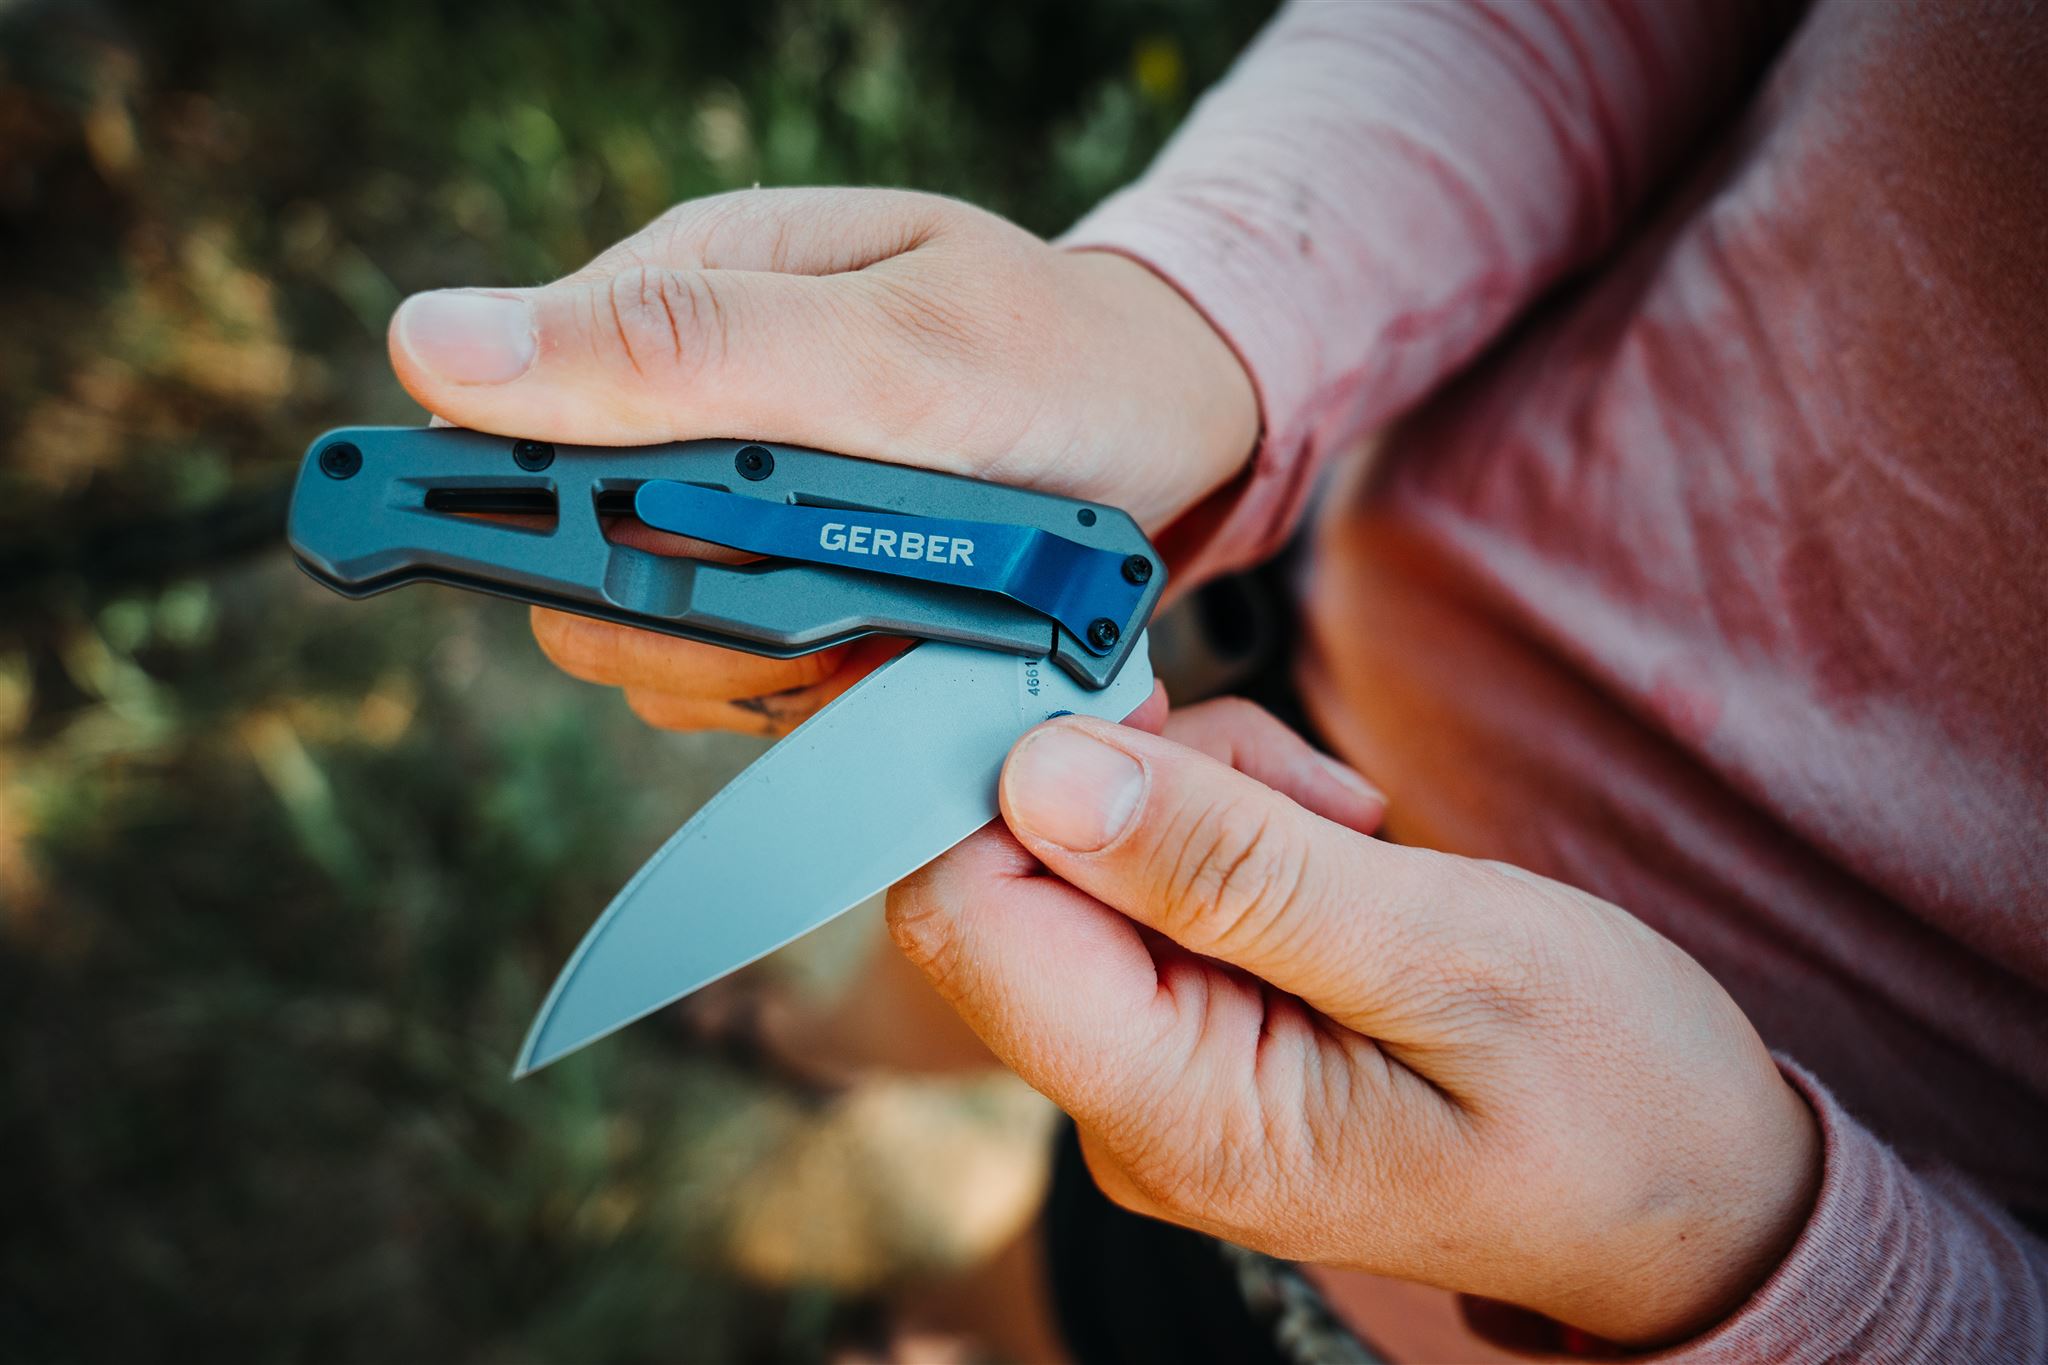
pixel 1375 190
pixel 1896 1263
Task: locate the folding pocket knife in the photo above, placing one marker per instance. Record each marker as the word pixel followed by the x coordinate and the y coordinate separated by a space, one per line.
pixel 1025 606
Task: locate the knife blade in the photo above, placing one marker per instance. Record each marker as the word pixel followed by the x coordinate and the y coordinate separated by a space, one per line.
pixel 873 787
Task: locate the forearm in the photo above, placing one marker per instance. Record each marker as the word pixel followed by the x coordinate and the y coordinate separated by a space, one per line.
pixel 1376 190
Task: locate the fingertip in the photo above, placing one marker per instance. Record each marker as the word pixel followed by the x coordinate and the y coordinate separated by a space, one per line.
pixel 465 337
pixel 1345 796
pixel 1151 713
pixel 1250 739
pixel 1349 778
pixel 1067 786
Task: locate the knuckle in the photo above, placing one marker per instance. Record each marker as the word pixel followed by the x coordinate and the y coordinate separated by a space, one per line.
pixel 1235 878
pixel 1470 982
pixel 672 323
pixel 774 714
pixel 1241 713
pixel 684 236
pixel 699 231
pixel 920 925
pixel 678 233
pixel 1205 1179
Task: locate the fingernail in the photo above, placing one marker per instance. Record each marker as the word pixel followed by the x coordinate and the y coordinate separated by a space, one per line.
pixel 466 336
pixel 1350 779
pixel 1071 789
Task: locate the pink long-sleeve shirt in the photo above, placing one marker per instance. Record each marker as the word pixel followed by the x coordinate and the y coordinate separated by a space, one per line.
pixel 1704 561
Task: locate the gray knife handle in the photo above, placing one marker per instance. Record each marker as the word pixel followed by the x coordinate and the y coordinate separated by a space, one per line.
pixel 378 507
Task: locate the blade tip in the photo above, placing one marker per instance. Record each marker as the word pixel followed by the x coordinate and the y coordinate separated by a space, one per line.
pixel 535 1054
pixel 530 1059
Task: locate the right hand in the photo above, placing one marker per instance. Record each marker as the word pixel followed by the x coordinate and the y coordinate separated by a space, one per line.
pixel 879 323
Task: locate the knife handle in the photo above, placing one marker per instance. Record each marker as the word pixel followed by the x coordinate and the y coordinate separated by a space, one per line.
pixel 378 507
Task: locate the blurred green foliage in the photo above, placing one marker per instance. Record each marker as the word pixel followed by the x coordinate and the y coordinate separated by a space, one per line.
pixel 282 877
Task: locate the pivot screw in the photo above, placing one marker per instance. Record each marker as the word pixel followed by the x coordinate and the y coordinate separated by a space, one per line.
pixel 341 461
pixel 533 456
pixel 1137 569
pixel 1103 634
pixel 754 463
pixel 1086 516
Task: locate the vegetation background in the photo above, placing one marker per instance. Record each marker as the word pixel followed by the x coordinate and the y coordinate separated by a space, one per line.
pixel 282 877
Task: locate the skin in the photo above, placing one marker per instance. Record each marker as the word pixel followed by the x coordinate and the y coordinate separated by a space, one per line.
pixel 1268 1024
pixel 879 323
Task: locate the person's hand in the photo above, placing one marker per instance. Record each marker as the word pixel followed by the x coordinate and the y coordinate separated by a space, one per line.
pixel 1273 1028
pixel 896 326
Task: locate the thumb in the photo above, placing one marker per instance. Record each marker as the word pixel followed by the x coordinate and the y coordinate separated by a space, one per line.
pixel 810 316
pixel 1231 869
pixel 651 353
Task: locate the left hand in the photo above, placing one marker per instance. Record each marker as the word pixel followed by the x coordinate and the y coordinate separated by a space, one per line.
pixel 894 326
pixel 1276 1029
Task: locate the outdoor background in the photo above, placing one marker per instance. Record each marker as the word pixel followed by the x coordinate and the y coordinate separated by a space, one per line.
pixel 283 877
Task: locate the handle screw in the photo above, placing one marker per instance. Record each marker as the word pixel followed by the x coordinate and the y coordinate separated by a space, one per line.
pixel 340 461
pixel 1103 634
pixel 1138 569
pixel 533 456
pixel 754 463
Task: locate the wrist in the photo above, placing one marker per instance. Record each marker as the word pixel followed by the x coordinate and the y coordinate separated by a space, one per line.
pixel 1694 1266
pixel 1173 364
